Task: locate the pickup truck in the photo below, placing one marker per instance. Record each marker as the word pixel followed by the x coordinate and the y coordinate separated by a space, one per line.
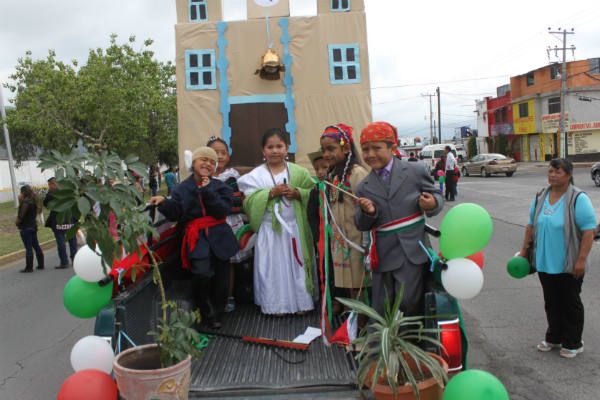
pixel 232 368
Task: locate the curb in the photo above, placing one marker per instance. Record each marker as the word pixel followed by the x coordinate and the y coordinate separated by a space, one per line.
pixel 10 257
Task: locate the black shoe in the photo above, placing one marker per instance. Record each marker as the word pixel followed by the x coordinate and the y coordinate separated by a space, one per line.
pixel 62 266
pixel 39 267
pixel 26 270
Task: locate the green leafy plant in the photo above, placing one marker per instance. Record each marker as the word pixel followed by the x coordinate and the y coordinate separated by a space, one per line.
pixel 389 341
pixel 97 188
pixel 472 146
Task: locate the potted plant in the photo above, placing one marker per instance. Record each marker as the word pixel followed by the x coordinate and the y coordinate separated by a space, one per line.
pixel 97 191
pixel 390 361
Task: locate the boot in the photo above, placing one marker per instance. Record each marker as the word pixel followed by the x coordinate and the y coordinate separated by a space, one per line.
pixel 207 310
pixel 40 260
pixel 28 264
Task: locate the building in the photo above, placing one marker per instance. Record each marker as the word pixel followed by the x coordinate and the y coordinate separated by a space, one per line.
pixel 316 70
pixel 536 110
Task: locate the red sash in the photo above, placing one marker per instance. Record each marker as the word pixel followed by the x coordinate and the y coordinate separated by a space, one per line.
pixel 192 233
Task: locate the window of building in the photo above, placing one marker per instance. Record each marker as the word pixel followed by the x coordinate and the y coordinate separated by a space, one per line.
pixel 340 5
pixel 198 11
pixel 200 70
pixel 530 79
pixel 344 64
pixel 523 110
pixel 555 71
pixel 594 64
pixel 553 105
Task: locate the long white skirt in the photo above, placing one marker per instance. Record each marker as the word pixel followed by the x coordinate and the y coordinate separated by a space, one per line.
pixel 279 280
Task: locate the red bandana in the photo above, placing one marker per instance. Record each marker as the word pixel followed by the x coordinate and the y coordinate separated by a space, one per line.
pixel 339 132
pixel 379 132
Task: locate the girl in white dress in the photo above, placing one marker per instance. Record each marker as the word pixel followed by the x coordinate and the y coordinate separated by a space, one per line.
pixel 277 194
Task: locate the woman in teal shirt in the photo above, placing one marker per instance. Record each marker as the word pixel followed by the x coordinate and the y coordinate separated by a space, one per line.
pixel 560 233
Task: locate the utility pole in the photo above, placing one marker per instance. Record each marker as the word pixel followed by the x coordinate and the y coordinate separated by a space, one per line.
pixel 430 115
pixel 437 91
pixel 563 87
pixel 11 164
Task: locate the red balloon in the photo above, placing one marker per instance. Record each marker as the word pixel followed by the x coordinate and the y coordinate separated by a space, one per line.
pixel 477 258
pixel 88 384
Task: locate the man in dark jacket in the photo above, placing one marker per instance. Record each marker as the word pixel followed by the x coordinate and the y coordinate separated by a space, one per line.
pixel 60 230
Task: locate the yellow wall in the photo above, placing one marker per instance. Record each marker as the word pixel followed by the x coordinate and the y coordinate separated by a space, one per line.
pixel 524 126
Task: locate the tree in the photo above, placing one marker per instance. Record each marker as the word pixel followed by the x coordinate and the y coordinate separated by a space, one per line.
pixel 472 146
pixel 121 99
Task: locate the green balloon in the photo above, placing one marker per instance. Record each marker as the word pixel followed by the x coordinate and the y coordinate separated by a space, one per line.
pixel 85 299
pixel 475 385
pixel 466 229
pixel 442 179
pixel 518 267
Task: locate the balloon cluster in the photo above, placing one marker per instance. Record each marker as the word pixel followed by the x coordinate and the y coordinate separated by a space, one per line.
pixel 84 295
pixel 465 231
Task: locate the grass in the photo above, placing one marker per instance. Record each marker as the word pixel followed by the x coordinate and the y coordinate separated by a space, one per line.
pixel 10 240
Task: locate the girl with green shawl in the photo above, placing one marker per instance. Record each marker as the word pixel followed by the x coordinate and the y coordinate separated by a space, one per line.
pixel 277 194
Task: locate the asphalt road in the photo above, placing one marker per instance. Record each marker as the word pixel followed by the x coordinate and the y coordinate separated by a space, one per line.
pixel 504 322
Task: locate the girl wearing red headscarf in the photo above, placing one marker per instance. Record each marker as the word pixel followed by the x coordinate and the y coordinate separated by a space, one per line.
pixel 346 172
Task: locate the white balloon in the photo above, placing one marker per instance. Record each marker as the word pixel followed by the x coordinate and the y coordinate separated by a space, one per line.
pixel 266 3
pixel 92 352
pixel 463 279
pixel 88 265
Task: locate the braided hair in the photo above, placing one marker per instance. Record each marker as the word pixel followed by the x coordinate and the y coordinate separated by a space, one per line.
pixel 352 158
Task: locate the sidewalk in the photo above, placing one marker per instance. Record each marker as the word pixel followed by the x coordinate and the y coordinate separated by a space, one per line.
pixel 543 164
pixel 20 254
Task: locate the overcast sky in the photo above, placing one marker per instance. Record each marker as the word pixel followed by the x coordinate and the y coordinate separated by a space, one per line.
pixel 414 46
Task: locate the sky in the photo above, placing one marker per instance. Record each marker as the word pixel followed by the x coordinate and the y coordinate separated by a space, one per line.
pixel 466 47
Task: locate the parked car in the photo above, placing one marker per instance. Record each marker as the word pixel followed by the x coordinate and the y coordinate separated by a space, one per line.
pixel 595 173
pixel 489 164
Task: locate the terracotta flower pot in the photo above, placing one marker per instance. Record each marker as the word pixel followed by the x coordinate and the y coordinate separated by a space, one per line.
pixel 139 376
pixel 429 389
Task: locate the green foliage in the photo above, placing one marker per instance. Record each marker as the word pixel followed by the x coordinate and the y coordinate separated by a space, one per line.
pixel 84 183
pixel 120 99
pixel 472 147
pixel 103 181
pixel 389 340
pixel 175 336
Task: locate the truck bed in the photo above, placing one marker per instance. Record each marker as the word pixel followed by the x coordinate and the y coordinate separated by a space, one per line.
pixel 230 368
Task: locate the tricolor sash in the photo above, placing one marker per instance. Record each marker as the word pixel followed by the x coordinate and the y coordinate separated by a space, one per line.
pixel 390 228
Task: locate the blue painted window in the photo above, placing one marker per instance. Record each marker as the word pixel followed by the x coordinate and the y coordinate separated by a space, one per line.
pixel 344 64
pixel 200 70
pixel 198 11
pixel 340 5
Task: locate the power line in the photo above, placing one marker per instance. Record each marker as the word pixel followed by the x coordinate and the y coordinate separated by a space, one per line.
pixel 438 83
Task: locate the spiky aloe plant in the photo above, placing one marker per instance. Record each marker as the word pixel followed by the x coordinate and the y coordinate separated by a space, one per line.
pixel 388 340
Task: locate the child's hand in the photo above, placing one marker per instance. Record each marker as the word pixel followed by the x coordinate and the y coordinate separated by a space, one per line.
pixel 204 181
pixel 427 201
pixel 366 205
pixel 156 200
pixel 291 194
pixel 278 191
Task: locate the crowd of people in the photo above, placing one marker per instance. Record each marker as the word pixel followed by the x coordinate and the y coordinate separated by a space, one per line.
pixel 377 205
pixel 376 215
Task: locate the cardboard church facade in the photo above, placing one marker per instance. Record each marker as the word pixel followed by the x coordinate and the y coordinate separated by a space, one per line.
pixel 236 79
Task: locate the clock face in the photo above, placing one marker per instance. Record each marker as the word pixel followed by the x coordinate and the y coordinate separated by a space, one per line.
pixel 266 3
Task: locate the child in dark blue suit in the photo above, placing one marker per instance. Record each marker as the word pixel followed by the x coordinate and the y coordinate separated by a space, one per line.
pixel 200 205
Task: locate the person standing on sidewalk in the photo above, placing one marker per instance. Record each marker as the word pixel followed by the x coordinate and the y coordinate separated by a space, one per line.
pixel 27 224
pixel 558 240
pixel 59 230
pixel 450 167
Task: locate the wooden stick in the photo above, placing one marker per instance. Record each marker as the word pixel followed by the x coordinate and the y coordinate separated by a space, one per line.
pixel 342 190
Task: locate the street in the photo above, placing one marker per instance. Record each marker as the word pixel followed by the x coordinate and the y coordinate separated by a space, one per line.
pixel 504 322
